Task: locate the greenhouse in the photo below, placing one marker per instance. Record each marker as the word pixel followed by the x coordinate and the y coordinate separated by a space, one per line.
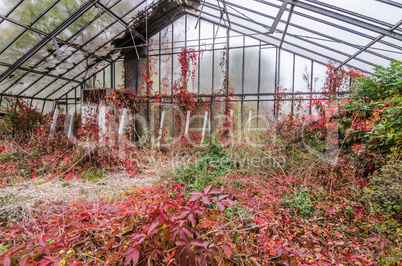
pixel 200 132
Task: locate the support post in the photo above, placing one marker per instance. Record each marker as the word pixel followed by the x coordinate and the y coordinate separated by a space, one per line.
pixel 187 123
pixel 250 115
pixel 54 122
pixel 204 126
pixel 102 122
pixel 70 134
pixel 161 129
pixel 123 121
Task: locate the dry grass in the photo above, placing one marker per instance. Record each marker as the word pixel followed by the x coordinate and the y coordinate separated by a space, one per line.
pixel 24 196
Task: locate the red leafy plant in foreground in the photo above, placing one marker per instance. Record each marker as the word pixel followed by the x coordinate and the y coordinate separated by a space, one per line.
pixel 148 227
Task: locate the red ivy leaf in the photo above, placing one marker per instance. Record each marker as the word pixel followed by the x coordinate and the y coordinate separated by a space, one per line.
pixel 228 251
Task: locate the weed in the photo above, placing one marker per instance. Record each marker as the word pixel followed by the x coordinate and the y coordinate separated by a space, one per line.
pixel 65 184
pixel 300 203
pixel 94 174
pixel 7 212
pixel 214 163
pixel 83 191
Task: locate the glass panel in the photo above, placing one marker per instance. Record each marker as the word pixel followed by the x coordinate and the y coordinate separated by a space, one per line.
pixel 268 61
pixel 308 47
pixel 30 9
pixel 77 70
pixel 22 45
pixel 107 77
pixel 166 74
pixel 176 68
pixel 361 66
pixel 251 41
pixel 263 8
pixel 388 50
pixel 335 43
pixel 302 75
pixel 236 39
pixel 37 104
pixel 153 45
pixel 300 106
pixel 37 57
pixel 2 69
pixel 219 71
pixel 206 73
pixel 102 39
pixel 375 60
pixel 207 30
pixel 286 72
pixel 52 88
pixel 179 34
pixel 24 83
pixel 318 77
pixel 192 32
pixel 236 69
pixel 285 107
pixel 9 32
pixel 38 86
pixel 370 9
pixel 154 63
pixel 7 5
pixel 55 15
pixel 63 90
pixel 166 39
pixel 11 79
pixel 48 107
pixel 124 6
pixel 119 67
pixel 251 58
pixel 89 31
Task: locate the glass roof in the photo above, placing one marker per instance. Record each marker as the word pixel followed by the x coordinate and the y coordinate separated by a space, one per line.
pixel 49 47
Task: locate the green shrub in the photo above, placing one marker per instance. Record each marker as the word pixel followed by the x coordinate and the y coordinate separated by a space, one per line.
pixel 384 192
pixel 371 116
pixel 94 174
pixel 9 212
pixel 214 162
pixel 300 203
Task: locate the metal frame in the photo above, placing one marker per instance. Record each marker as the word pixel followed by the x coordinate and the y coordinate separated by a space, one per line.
pixel 206 11
pixel 81 10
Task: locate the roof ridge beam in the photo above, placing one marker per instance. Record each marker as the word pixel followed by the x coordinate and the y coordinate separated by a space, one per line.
pixel 344 18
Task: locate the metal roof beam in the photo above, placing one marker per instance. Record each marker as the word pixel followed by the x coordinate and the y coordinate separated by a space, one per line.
pixel 70 38
pixel 367 46
pixel 88 41
pixel 320 33
pixel 276 39
pixel 150 35
pixel 344 18
pixel 80 11
pixel 287 26
pixel 351 13
pixel 39 73
pixel 25 97
pixel 392 3
pixel 118 18
pixel 39 32
pixel 278 17
pixel 308 41
pixel 13 9
pixel 330 24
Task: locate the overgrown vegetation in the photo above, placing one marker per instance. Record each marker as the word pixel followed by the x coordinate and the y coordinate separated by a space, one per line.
pixel 277 204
